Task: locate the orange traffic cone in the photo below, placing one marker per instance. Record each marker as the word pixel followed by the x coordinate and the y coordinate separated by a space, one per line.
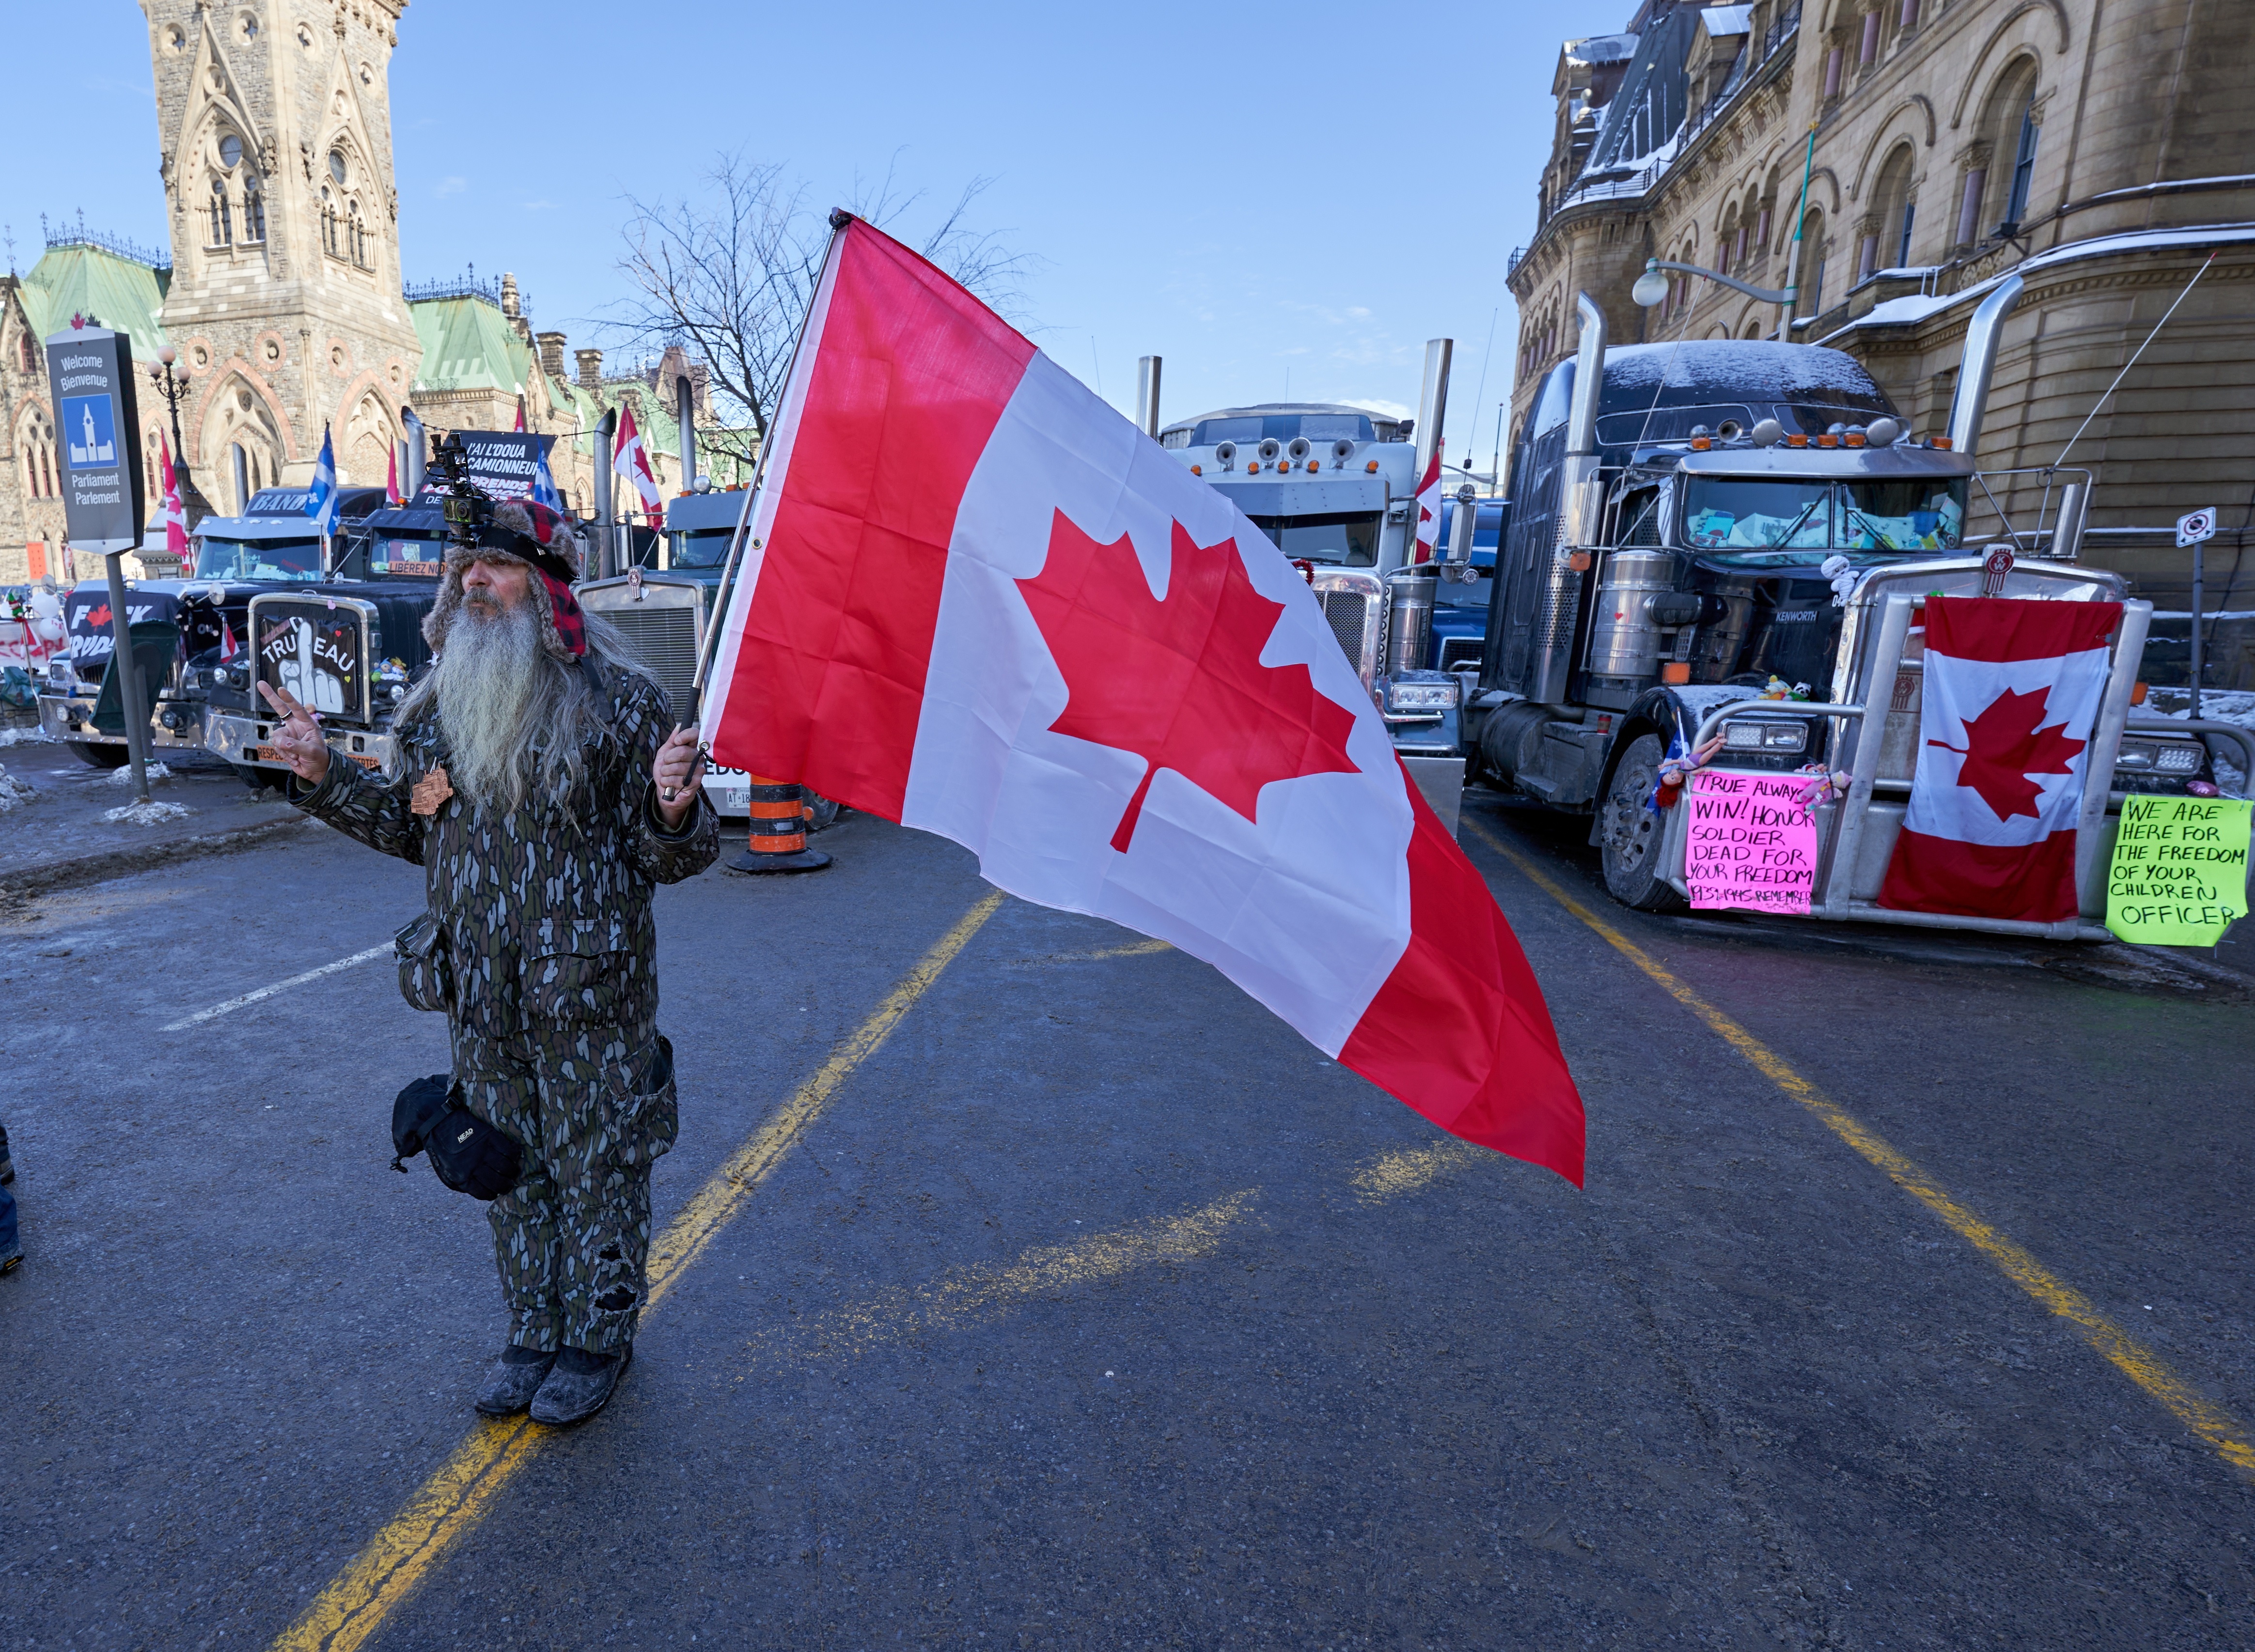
pixel 777 841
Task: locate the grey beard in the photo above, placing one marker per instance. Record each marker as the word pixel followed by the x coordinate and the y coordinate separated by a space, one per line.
pixel 508 726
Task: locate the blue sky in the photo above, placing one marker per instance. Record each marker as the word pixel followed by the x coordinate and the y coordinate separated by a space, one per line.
pixel 1274 200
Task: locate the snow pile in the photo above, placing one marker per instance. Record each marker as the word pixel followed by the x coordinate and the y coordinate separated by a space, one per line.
pixel 18 736
pixel 14 791
pixel 123 775
pixel 147 813
pixel 1785 370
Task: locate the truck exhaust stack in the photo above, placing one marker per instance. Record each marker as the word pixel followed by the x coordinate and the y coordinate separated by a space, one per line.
pixel 1983 334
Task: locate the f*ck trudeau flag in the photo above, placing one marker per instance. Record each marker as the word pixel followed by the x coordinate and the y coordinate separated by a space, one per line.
pixel 977 601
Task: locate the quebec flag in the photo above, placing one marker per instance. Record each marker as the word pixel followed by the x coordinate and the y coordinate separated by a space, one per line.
pixel 543 485
pixel 322 505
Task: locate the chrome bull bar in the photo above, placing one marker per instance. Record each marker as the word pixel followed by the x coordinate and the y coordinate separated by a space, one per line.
pixel 1847 826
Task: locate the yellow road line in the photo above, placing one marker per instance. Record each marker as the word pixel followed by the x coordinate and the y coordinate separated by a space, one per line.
pixel 359 1599
pixel 963 1297
pixel 1392 1175
pixel 2230 1438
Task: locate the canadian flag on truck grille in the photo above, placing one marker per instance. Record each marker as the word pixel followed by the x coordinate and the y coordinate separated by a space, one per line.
pixel 2010 691
pixel 979 601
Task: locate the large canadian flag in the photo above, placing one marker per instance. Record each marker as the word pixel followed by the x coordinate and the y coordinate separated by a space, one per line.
pixel 977 601
pixel 169 509
pixel 2011 692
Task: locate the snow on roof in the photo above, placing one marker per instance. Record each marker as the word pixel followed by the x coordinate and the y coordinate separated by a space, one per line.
pixel 1917 306
pixel 1722 20
pixel 1605 48
pixel 1754 360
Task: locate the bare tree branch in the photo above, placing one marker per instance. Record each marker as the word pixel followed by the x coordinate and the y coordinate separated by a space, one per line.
pixel 730 276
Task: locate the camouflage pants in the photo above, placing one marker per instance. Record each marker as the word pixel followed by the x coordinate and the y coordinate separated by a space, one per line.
pixel 572 1237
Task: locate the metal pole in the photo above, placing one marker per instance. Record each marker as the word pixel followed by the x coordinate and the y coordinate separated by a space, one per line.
pixel 1432 403
pixel 1792 264
pixel 129 678
pixel 240 462
pixel 2198 571
pixel 708 649
pixel 606 552
pixel 1147 395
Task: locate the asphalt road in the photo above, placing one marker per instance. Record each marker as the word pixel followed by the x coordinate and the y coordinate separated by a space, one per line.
pixel 1092 1308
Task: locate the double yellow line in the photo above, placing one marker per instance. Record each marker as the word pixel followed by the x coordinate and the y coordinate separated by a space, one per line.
pixel 357 1601
pixel 2225 1433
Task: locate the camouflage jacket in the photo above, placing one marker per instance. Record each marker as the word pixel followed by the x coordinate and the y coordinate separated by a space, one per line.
pixel 546 909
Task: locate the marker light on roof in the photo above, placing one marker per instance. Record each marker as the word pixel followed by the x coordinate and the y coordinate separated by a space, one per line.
pixel 1253 470
pixel 1942 442
pixel 1372 467
pixel 1799 438
pixel 1197 470
pixel 1828 440
pixel 1315 464
pixel 1854 438
pixel 1701 444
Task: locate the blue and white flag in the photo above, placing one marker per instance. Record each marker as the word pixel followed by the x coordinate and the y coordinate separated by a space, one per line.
pixel 543 486
pixel 322 504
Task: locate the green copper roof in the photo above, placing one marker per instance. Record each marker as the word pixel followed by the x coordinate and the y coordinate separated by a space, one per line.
pixel 468 345
pixel 117 292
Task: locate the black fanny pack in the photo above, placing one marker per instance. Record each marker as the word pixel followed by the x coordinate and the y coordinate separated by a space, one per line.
pixel 470 1155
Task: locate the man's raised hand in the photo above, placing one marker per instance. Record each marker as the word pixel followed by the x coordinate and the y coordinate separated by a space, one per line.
pixel 678 771
pixel 298 739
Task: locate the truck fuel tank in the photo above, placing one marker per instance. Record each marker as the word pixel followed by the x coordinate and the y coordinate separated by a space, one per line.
pixel 1634 621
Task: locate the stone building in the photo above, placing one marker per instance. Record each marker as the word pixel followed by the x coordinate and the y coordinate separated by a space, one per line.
pixel 282 293
pixel 2103 150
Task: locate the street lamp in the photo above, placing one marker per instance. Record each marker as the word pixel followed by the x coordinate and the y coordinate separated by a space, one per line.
pixel 173 388
pixel 1652 286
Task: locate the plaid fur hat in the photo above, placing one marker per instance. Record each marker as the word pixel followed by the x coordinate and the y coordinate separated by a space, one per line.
pixel 522 531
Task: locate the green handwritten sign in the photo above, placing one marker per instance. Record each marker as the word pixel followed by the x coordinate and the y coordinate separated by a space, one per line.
pixel 2180 871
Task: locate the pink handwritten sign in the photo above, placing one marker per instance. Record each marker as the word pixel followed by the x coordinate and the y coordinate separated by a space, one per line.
pixel 1751 844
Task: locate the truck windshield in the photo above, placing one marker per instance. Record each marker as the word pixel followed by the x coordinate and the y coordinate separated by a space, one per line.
pixel 707 548
pixel 1726 514
pixel 411 558
pixel 1919 513
pixel 1348 540
pixel 219 559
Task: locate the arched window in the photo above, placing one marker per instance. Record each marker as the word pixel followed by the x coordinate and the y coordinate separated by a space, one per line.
pixel 254 208
pixel 1810 274
pixel 222 219
pixel 2024 162
pixel 359 238
pixel 27 354
pixel 1886 243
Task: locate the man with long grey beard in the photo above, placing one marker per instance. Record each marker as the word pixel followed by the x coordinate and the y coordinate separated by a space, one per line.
pixel 542 793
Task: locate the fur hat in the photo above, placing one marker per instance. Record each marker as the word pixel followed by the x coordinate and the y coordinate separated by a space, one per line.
pixel 522 531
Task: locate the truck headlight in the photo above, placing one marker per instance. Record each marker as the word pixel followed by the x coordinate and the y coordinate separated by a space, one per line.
pixel 1422 694
pixel 1753 736
pixel 2160 756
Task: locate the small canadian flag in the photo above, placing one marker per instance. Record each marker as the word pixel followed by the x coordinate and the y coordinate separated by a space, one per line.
pixel 632 461
pixel 1429 506
pixel 172 514
pixel 978 601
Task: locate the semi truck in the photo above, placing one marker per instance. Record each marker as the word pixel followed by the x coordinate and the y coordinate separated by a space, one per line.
pixel 1722 548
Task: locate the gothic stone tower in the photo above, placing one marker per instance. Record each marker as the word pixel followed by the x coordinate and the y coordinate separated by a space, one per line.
pixel 274 121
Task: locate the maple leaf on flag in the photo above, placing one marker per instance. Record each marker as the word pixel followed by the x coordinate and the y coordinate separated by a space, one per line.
pixel 1179 682
pixel 96 618
pixel 2004 745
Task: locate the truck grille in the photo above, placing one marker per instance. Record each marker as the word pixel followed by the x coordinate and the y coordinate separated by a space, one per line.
pixel 663 639
pixel 1348 612
pixel 1461 653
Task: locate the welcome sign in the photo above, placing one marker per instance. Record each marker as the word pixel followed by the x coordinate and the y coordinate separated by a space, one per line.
pixel 98 427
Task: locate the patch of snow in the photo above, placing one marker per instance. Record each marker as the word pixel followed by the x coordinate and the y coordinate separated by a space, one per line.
pixel 123 775
pixel 2138 240
pixel 1704 698
pixel 147 813
pixel 14 792
pixel 20 736
pixel 1726 20
pixel 1602 48
pixel 1791 368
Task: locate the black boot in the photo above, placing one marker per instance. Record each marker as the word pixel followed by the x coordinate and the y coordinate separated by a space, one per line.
pixel 7 1164
pixel 516 1377
pixel 580 1385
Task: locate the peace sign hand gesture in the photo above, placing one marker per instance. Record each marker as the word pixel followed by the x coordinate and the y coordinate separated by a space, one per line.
pixel 298 739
